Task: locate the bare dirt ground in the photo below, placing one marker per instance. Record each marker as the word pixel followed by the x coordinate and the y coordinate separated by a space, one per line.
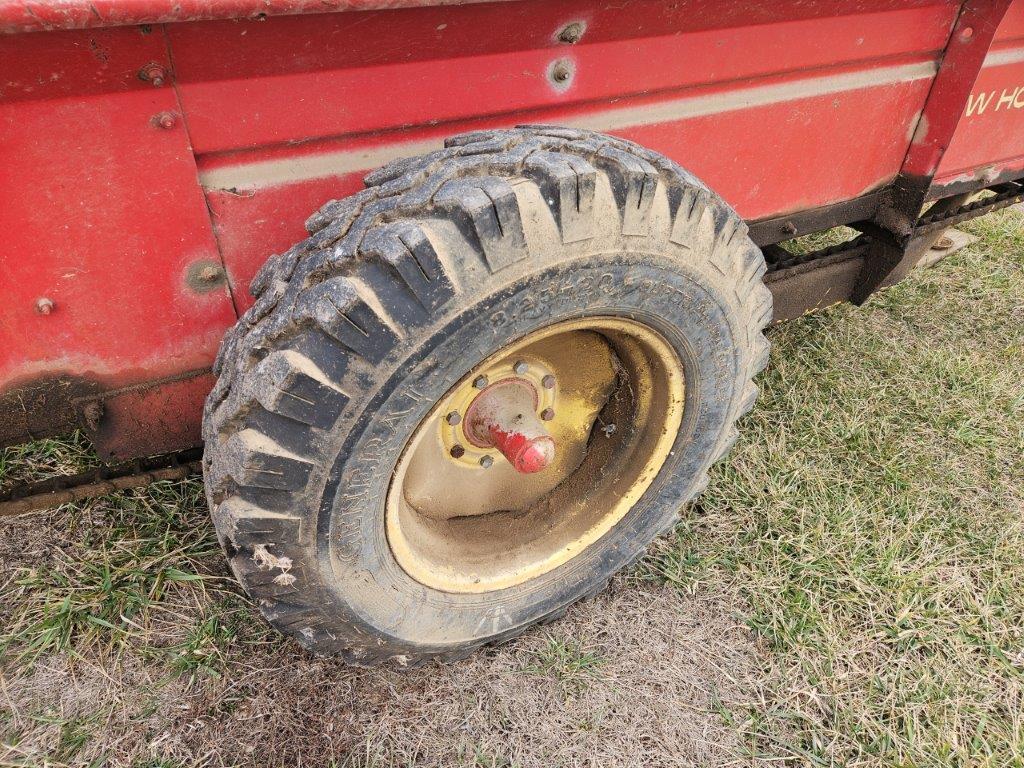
pixel 642 670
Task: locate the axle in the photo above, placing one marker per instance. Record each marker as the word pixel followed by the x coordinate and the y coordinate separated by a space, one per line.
pixel 504 416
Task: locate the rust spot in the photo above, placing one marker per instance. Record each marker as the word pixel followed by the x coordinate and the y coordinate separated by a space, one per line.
pixel 571 33
pixel 204 276
pixel 92 414
pixel 154 73
pixel 41 408
pixel 560 74
pixel 164 120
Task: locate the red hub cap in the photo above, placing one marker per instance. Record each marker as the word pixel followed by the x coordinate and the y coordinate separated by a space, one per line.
pixel 504 416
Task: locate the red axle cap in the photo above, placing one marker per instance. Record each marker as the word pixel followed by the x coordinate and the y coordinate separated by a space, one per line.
pixel 504 416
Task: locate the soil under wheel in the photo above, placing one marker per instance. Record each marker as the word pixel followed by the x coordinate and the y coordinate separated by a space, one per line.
pixel 478 389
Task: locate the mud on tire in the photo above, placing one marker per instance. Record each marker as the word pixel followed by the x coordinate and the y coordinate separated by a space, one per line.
pixel 398 292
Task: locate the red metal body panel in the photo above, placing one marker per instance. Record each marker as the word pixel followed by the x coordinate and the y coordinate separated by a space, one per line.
pixel 988 140
pixel 131 157
pixel 102 214
pixel 250 84
pixel 39 15
pixel 760 178
pixel 774 116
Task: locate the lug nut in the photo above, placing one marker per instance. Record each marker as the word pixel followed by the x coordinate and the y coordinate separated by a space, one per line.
pixel 457 451
pixel 547 414
pixel 520 368
pixel 480 382
pixel 486 461
pixel 548 382
pixel 44 306
pixel 453 418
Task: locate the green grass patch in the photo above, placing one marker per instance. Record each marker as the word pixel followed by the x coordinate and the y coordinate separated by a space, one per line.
pixel 132 552
pixel 870 522
pixel 41 459
pixel 871 518
pixel 566 661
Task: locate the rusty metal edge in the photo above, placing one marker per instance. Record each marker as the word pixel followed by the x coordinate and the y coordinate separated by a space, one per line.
pixel 778 228
pixel 65 489
pixel 42 15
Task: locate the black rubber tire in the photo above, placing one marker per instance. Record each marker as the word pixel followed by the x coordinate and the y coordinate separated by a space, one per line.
pixel 399 291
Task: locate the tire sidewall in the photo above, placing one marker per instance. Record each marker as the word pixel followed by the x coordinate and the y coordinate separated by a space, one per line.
pixel 683 306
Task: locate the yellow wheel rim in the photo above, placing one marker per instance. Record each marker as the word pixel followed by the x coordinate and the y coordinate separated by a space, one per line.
pixel 460 518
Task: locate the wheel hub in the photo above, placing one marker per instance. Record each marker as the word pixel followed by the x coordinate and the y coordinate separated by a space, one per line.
pixel 494 388
pixel 534 455
pixel 504 416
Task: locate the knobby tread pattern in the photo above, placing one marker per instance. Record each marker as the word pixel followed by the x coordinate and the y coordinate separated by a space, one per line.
pixel 319 317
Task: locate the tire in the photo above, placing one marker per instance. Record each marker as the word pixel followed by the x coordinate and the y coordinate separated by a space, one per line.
pixel 400 291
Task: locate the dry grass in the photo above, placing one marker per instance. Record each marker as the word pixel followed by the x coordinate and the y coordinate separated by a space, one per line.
pixel 850 591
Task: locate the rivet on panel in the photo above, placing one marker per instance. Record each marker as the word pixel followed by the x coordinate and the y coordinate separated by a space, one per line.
pixel 560 74
pixel 165 120
pixel 205 276
pixel 571 33
pixel 153 73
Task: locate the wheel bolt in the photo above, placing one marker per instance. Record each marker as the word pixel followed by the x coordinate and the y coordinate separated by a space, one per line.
pixel 453 418
pixel 480 382
pixel 548 382
pixel 520 368
pixel 547 414
pixel 457 451
pixel 486 461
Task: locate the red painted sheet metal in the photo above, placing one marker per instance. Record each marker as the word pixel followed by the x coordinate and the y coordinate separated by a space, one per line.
pixel 780 106
pixel 760 177
pixel 38 15
pixel 61 65
pixel 246 84
pixel 152 419
pixel 760 109
pixel 102 215
pixel 965 52
pixel 989 140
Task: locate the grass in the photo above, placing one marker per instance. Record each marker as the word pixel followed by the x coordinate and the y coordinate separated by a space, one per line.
pixel 867 531
pixel 871 520
pixel 45 458
pixel 106 588
pixel 566 661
